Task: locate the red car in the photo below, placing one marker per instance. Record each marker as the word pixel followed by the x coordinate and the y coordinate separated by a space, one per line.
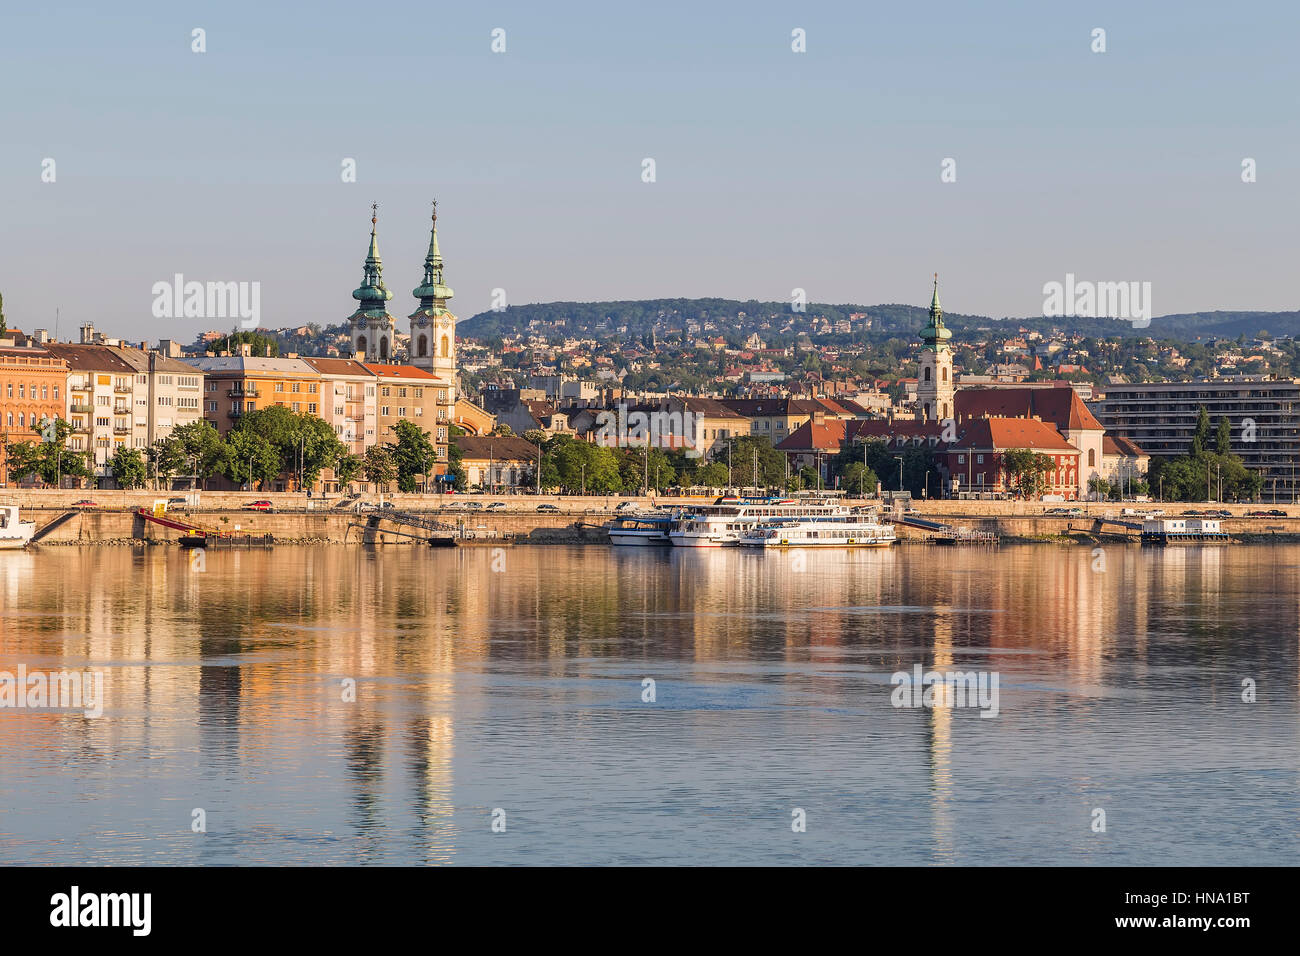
pixel 87 503
pixel 258 506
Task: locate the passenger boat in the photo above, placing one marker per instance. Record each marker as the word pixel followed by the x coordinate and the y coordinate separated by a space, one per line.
pixel 723 523
pixel 14 534
pixel 820 531
pixel 640 529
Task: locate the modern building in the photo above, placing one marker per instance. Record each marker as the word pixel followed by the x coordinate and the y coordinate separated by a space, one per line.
pixel 1264 414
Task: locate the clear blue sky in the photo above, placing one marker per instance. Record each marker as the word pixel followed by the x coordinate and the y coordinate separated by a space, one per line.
pixel 775 169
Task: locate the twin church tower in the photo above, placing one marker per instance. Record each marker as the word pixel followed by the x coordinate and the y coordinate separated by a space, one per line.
pixel 433 327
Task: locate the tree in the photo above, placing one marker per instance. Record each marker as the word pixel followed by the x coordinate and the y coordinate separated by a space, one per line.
pixel 3 327
pixel 503 430
pixel 379 466
pixel 201 446
pixel 460 480
pixel 712 475
pixel 1223 438
pixel 413 453
pixel 128 468
pixel 248 457
pixel 166 457
pixel 1027 469
pixel 304 444
pixel 49 459
pixel 347 468
pixel 858 479
pixel 259 341
pixel 1202 433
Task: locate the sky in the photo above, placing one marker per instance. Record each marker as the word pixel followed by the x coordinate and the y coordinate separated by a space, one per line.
pixel 774 170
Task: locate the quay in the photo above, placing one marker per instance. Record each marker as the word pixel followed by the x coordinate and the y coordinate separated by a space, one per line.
pixel 416 519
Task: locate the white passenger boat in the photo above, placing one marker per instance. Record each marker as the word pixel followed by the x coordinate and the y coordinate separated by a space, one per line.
pixel 821 531
pixel 14 534
pixel 641 529
pixel 723 523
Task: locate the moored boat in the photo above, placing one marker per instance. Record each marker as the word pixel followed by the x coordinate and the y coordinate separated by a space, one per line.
pixel 728 519
pixel 640 529
pixel 820 531
pixel 1164 531
pixel 14 533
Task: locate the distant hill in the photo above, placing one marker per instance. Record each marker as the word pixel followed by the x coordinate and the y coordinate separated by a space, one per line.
pixel 732 318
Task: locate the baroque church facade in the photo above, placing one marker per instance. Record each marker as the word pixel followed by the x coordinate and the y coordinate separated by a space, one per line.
pixel 432 345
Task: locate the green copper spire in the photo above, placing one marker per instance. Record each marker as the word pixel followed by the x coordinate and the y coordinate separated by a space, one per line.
pixel 432 293
pixel 934 335
pixel 372 294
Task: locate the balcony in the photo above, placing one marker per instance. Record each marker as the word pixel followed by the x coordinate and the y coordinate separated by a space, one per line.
pixel 244 393
pixel 236 413
pixel 122 389
pixel 81 428
pixel 82 409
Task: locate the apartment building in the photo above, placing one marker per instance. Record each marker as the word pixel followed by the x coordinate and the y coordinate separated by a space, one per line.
pixel 348 401
pixel 100 402
pixel 33 386
pixel 235 385
pixel 413 394
pixel 1264 413
pixel 167 393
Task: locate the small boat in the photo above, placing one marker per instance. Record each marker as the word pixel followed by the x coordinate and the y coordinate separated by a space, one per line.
pixel 640 529
pixel 820 531
pixel 14 534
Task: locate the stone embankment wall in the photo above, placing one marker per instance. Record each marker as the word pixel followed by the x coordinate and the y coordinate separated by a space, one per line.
pixel 580 519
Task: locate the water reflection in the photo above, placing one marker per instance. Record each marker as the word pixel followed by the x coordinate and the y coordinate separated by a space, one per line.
pixel 227 689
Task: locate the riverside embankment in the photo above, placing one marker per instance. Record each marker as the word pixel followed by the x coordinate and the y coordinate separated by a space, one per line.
pixel 295 518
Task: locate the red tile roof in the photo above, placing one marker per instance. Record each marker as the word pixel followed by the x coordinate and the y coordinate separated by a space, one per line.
pixel 1059 405
pixel 1000 434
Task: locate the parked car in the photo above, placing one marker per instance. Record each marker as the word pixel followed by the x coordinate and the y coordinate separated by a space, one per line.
pixel 473 506
pixel 262 505
pixel 85 503
pixel 497 506
pixel 177 501
pixel 1193 513
pixel 367 506
pixel 548 508
pixel 1276 513
pixel 627 506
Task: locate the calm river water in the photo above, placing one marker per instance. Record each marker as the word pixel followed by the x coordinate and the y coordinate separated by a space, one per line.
pixel 508 686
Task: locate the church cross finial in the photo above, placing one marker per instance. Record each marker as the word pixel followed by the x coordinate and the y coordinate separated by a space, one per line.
pixel 374 213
